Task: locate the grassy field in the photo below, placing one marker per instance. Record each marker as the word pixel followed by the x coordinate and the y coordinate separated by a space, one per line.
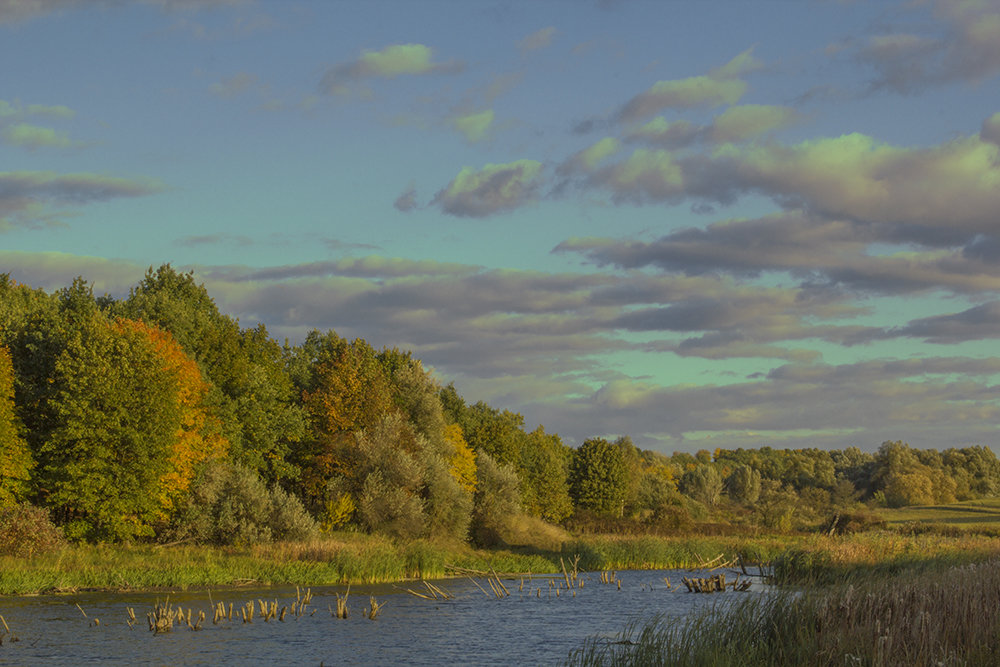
pixel 983 513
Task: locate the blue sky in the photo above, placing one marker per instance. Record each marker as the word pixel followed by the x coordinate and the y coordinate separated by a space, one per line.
pixel 701 224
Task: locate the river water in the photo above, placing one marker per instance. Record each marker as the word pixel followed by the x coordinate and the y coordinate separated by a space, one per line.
pixel 533 626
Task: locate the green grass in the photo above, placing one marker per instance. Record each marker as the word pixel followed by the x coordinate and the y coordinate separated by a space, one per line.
pixel 350 558
pixel 973 514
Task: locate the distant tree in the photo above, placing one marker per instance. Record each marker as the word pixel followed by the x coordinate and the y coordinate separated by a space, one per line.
pixel 743 485
pixel 703 484
pixel 597 477
pixel 499 433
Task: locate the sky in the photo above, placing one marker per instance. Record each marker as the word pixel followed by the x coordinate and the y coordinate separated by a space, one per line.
pixel 700 224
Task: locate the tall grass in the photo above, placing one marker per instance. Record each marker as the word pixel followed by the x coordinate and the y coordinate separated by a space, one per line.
pixel 648 552
pixel 951 618
pixel 827 560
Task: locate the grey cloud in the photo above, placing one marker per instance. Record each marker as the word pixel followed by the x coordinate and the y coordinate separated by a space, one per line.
pixel 980 322
pixel 213 239
pixel 965 48
pixel 27 198
pixel 991 129
pixel 813 250
pixel 55 270
pixel 407 200
pixel 941 196
pixel 492 189
pixel 803 405
pixel 721 86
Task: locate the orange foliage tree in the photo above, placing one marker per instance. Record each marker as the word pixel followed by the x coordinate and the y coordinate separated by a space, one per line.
pixel 198 437
pixel 351 393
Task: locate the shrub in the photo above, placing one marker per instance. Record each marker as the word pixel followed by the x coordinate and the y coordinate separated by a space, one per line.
pixel 27 531
pixel 497 501
pixel 844 523
pixel 230 505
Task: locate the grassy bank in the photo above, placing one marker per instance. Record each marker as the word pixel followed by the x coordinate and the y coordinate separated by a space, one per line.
pixel 351 558
pixel 910 618
pixel 358 558
pixel 348 558
pixel 822 559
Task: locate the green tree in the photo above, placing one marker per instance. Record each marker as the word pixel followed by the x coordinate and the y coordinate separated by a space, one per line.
pixel 703 484
pixel 115 419
pixel 15 458
pixel 251 392
pixel 743 485
pixel 597 477
pixel 544 472
pixel 497 500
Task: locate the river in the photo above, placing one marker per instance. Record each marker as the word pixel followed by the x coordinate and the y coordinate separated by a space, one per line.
pixel 533 626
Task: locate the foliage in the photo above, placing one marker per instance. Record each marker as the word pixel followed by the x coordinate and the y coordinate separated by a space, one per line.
pixel 231 504
pixel 27 531
pixel 15 458
pixel 115 419
pixel 597 477
pixel 463 461
pixel 497 501
pixel 743 485
pixel 703 484
pixel 544 472
pixel 198 437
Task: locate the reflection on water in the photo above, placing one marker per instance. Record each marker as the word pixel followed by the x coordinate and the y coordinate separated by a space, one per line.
pixel 533 626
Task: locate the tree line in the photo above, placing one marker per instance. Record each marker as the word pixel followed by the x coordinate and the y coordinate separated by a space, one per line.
pixel 157 417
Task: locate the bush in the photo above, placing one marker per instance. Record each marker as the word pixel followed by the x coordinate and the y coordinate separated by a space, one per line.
pixel 230 505
pixel 27 531
pixel 497 501
pixel 844 523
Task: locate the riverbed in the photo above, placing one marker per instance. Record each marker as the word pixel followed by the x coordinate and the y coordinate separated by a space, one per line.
pixel 539 623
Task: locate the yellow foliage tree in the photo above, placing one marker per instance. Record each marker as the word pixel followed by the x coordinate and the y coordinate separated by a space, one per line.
pixel 463 461
pixel 351 394
pixel 198 438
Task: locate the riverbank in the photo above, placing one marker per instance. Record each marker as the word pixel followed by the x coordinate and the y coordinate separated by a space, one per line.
pixel 358 558
pixel 350 558
pixel 925 613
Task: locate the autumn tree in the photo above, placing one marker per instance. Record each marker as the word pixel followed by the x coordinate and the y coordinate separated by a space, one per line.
pixel 250 391
pixel 350 393
pixel 198 437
